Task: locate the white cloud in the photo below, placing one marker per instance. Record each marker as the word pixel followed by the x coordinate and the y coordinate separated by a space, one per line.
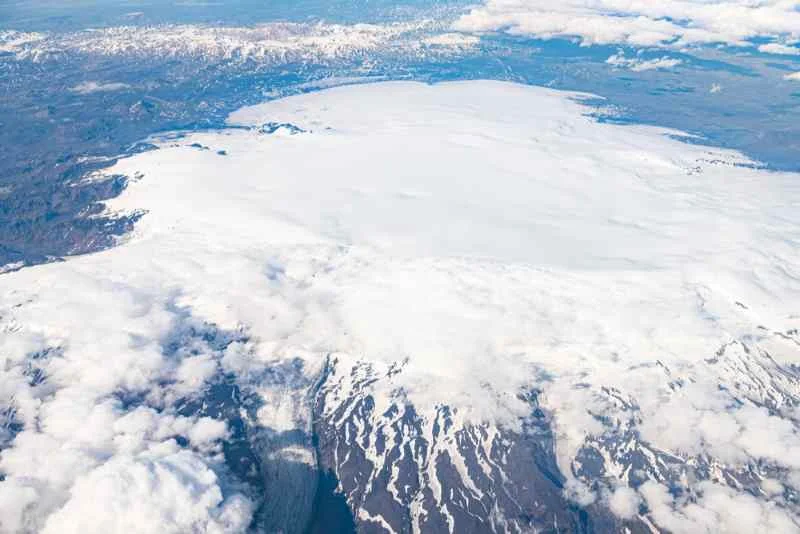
pixel 175 493
pixel 778 48
pixel 640 22
pixel 15 498
pixel 106 343
pixel 579 493
pixel 207 431
pixel 639 65
pixel 85 88
pixel 699 421
pixel 506 242
pixel 715 508
pixel 794 76
pixel 772 486
pixel 624 502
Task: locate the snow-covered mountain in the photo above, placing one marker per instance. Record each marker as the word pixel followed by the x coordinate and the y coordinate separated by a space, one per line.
pixel 276 42
pixel 462 307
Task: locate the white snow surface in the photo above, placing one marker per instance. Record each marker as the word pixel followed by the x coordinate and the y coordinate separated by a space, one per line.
pixel 491 236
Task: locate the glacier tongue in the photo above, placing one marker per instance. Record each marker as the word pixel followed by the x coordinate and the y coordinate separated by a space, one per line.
pixel 470 304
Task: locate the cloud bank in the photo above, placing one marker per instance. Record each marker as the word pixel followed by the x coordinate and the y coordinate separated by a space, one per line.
pixel 641 23
pixel 469 242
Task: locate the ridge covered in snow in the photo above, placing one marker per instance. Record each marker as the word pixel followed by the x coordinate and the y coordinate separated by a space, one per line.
pixel 439 282
pixel 276 41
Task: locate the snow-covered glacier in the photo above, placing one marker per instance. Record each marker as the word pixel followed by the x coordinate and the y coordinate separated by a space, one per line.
pixel 462 307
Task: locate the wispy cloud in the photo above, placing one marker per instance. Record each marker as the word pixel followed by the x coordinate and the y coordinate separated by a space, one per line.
pixel 778 48
pixel 640 65
pixel 85 88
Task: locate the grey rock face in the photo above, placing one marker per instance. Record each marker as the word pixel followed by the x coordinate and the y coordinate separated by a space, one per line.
pixel 405 471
